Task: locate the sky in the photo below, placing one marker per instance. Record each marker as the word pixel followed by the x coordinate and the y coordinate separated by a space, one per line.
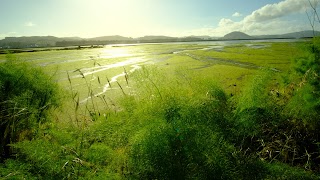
pixel 136 18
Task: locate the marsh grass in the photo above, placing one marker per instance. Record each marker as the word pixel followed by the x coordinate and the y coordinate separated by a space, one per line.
pixel 26 97
pixel 174 129
pixel 274 55
pixel 164 122
pixel 278 121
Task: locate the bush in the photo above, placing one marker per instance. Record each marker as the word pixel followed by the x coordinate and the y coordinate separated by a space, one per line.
pixel 12 169
pixel 281 122
pixel 284 171
pixel 305 102
pixel 186 135
pixel 255 108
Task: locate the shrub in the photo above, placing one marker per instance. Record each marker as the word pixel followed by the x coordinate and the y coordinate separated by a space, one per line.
pixel 185 135
pixel 12 169
pixel 256 108
pixel 305 102
pixel 284 171
pixel 152 154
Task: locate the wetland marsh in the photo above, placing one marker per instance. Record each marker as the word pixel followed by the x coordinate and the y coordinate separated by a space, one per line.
pixel 223 110
pixel 227 62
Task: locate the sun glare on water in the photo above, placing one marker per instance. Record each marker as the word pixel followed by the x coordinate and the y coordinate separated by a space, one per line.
pixel 111 52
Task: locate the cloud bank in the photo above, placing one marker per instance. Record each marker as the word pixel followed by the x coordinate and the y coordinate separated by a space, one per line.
pixel 281 9
pixel 269 19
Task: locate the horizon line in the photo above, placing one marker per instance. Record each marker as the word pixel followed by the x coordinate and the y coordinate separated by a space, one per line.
pixel 154 35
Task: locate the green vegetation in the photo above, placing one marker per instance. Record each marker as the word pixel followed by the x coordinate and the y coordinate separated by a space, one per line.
pixel 185 116
pixel 26 96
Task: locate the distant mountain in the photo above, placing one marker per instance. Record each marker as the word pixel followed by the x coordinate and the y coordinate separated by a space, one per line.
pixel 271 36
pixel 50 41
pixel 155 38
pixel 71 38
pixel 110 38
pixel 200 37
pixel 294 35
pixel 236 35
pixel 31 41
pixel 174 39
pixel 302 34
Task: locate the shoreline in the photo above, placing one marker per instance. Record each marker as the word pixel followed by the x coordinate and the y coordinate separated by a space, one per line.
pixel 81 47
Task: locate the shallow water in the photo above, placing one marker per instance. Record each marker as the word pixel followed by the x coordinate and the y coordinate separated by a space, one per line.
pixel 131 56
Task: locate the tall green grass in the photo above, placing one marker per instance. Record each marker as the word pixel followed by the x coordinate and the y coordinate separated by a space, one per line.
pixel 26 96
pixel 278 120
pixel 179 125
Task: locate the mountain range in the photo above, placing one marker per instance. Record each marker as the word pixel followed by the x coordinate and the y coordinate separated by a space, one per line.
pixel 51 41
pixel 236 35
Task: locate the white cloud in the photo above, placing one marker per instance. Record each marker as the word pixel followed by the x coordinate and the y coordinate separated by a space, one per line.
pixel 226 22
pixel 29 24
pixel 269 19
pixel 277 10
pixel 236 14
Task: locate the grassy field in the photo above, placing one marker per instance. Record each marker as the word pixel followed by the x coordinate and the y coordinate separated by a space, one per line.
pixel 165 111
pixel 228 65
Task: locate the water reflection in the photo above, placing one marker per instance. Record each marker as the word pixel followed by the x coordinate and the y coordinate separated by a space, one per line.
pixel 114 79
pixel 96 69
pixel 114 52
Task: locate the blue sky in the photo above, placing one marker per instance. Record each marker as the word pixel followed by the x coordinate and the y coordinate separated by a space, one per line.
pixel 133 18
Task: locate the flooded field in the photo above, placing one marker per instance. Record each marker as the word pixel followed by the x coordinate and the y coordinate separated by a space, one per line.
pixel 109 68
pixel 152 96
